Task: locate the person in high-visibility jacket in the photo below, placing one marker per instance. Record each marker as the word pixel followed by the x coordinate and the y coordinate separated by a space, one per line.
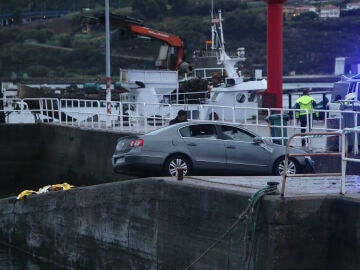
pixel 306 104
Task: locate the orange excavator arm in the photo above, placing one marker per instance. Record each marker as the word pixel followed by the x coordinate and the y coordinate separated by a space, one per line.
pixel 172 40
pixel 136 27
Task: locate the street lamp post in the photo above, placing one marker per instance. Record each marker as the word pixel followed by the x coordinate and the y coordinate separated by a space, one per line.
pixel 108 78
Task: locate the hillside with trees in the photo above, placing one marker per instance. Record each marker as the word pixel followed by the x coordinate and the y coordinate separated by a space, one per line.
pixel 59 48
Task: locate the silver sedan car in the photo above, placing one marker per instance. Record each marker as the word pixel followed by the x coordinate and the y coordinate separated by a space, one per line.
pixel 204 147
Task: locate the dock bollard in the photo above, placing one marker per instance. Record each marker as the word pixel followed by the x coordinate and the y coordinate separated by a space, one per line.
pixel 180 173
pixel 273 185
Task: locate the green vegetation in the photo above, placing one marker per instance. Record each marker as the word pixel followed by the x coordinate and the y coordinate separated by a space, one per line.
pixel 59 47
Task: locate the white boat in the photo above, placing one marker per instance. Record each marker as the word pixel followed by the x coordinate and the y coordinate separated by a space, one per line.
pixel 162 87
pixel 8 90
pixel 345 95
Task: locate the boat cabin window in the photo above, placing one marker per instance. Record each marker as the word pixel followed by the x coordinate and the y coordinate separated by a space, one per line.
pixel 240 98
pixel 352 88
pixel 127 97
pixel 252 97
pixel 339 91
pixel 230 82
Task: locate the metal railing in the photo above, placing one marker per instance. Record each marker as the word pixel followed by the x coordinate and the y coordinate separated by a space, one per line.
pixel 139 115
pixel 343 154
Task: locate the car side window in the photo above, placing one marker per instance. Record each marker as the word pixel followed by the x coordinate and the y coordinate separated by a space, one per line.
pixel 236 134
pixel 199 131
pixel 185 131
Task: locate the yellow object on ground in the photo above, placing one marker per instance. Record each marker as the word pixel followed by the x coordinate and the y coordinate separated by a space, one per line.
pixel 49 188
pixel 25 193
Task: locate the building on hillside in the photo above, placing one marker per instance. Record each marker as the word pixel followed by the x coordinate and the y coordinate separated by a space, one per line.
pixel 6 19
pixel 329 11
pixel 28 17
pixel 353 5
pixel 292 11
pixel 304 9
pixel 288 11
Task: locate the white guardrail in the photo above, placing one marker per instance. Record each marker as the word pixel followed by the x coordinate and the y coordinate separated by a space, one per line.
pixel 139 117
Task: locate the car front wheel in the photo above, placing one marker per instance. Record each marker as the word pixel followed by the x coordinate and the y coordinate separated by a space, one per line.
pixel 279 167
pixel 175 162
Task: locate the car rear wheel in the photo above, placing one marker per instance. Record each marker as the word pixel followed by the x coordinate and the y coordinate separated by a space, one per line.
pixel 177 161
pixel 279 167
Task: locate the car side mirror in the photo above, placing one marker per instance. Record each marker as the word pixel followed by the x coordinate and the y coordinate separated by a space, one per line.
pixel 258 140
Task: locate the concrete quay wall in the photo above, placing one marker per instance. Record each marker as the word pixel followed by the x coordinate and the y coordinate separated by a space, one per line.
pixel 33 155
pixel 159 223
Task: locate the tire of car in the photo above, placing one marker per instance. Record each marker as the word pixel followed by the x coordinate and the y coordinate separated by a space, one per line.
pixel 177 161
pixel 279 166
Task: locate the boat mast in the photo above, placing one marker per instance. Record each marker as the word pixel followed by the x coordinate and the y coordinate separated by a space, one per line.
pixel 222 42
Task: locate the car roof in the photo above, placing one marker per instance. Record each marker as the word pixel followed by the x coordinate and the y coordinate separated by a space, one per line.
pixel 207 122
pixel 192 122
pixel 197 122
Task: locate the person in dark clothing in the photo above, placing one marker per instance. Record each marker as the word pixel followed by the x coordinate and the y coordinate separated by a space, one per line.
pixel 181 117
pixel 2 114
pixel 213 116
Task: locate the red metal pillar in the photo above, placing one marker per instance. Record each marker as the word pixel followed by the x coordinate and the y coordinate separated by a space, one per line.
pixel 274 94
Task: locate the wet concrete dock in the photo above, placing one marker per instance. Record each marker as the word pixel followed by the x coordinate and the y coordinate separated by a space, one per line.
pixel 295 187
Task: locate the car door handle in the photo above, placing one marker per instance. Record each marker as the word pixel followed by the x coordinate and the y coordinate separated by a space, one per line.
pixel 191 144
pixel 230 147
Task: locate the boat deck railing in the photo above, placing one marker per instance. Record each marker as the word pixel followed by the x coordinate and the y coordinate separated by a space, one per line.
pixel 139 117
pixel 208 73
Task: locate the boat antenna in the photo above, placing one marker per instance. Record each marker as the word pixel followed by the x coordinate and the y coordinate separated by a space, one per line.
pixel 215 21
pixel 213 26
pixel 222 42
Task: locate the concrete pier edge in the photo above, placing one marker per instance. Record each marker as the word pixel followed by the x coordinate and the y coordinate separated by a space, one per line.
pixel 160 223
